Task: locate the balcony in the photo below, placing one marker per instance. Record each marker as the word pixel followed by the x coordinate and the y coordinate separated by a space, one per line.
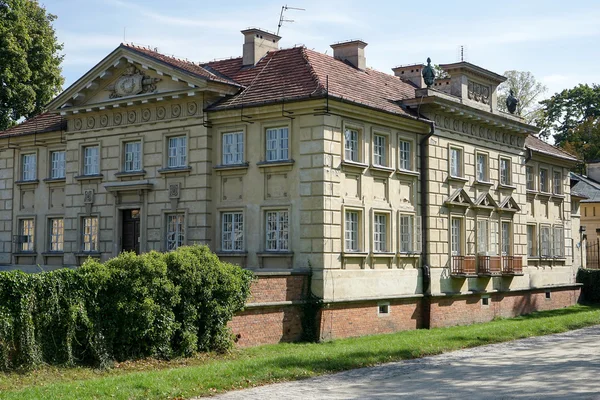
pixel 512 265
pixel 490 265
pixel 463 266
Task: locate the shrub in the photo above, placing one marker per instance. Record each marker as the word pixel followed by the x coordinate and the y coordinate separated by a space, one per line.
pixel 131 306
pixel 591 284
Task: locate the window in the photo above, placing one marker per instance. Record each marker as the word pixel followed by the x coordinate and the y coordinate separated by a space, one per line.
pixel 277 231
pixel 380 233
pixel 406 233
pixel 383 308
pixel 351 145
pixel 530 178
pixel 482 236
pixel 177 152
pixel 232 231
pixel 57 166
pixel 531 241
pixel 557 182
pixel 505 171
pixel 544 180
pixel 56 234
pixel 456 236
pixel 405 155
pixel 506 237
pixel 558 236
pixel 133 156
pixel 379 150
pixel 26 232
pixel 351 231
pixel 175 231
pixel 493 250
pixel 482 167
pixel 29 167
pixel 455 162
pixel 545 241
pixel 90 234
pixel 277 144
pixel 233 148
pixel 91 160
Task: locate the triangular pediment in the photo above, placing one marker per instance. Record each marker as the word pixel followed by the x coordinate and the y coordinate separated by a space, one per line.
pixel 485 200
pixel 509 205
pixel 459 198
pixel 129 74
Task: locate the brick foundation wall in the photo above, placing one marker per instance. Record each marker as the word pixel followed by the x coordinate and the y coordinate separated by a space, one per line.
pixel 464 310
pixel 359 319
pixel 275 288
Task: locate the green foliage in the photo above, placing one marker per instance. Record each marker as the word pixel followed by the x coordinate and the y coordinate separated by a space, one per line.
pixel 526 89
pixel 591 284
pixel 158 305
pixel 30 73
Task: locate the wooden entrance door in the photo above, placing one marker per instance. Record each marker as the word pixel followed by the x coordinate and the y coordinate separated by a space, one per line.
pixel 131 230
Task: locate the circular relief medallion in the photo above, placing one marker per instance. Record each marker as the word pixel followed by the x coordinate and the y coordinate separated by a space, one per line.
pixel 473 130
pixel 103 120
pixel 520 142
pixel 438 119
pixel 160 112
pixel 146 114
pixel 91 122
pixel 456 125
pixel 78 123
pixel 465 127
pixel 176 110
pixel 513 140
pixel 481 131
pixel 447 122
pixel 118 118
pixel 192 108
pixel 498 136
pixel 490 134
pixel 505 138
pixel 131 117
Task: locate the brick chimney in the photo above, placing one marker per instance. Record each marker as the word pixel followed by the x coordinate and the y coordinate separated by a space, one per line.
pixel 412 73
pixel 352 51
pixel 257 43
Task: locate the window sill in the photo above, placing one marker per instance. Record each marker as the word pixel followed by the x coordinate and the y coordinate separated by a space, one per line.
pixel 174 170
pixel 96 177
pixel 355 254
pixel 276 166
pixel 124 174
pixel 383 254
pixel 544 194
pixel 232 253
pixel 532 192
pixel 25 253
pixel 55 180
pixel 508 187
pixel 381 169
pixel 275 254
pixel 24 183
pixel 353 165
pixel 558 196
pixel 407 172
pixel 87 254
pixel 457 179
pixel 53 253
pixel 483 183
pixel 231 167
pixel 409 255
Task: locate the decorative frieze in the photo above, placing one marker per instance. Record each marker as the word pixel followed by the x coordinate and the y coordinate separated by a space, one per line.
pixel 479 92
pixel 131 83
pixel 478 130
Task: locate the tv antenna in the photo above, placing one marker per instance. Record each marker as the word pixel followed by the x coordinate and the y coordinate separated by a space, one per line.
pixel 462 53
pixel 281 20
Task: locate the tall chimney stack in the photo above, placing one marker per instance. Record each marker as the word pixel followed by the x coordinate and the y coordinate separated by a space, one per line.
pixel 257 43
pixel 412 73
pixel 352 51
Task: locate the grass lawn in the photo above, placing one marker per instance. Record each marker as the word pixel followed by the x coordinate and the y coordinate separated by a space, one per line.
pixel 208 374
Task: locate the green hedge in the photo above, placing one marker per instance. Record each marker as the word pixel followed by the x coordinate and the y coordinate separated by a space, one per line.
pixel 590 278
pixel 132 306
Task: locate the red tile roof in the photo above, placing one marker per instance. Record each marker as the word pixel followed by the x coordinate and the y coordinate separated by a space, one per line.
pixel 301 73
pixel 44 122
pixel 538 145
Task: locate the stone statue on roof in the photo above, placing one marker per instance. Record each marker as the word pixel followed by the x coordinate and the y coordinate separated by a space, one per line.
pixel 511 102
pixel 428 73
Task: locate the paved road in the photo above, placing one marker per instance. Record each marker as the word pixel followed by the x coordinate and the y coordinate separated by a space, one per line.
pixel 563 366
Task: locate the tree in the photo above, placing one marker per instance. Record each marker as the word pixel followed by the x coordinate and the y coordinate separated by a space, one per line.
pixel 526 89
pixel 573 118
pixel 30 73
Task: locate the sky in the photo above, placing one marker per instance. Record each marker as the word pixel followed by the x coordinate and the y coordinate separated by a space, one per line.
pixel 558 41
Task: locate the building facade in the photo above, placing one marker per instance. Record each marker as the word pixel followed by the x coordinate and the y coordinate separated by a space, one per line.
pixel 405 206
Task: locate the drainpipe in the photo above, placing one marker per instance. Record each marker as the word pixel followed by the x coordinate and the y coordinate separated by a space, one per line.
pixel 426 280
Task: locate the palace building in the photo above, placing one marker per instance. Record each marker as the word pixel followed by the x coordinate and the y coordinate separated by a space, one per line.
pixel 404 205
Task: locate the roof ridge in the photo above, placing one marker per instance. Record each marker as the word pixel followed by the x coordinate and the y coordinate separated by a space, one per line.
pixel 319 85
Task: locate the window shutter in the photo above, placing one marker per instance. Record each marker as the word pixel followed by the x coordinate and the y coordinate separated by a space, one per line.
pixel 418 236
pixel 493 237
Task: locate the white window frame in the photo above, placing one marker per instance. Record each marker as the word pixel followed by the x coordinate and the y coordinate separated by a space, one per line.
pixel 91 161
pixel 27 230
pixel 482 170
pixel 56 233
pixel 175 230
pixel 459 172
pixel 132 157
pixel 557 184
pixel 277 144
pixel 277 230
pixel 232 231
pixel 352 230
pixel 558 241
pixel 505 173
pixel 506 248
pixel 408 236
pixel 29 167
pixel 380 150
pixel 544 182
pixel 530 177
pixel 90 233
pixel 456 235
pixel 405 155
pixel 381 232
pixel 532 241
pixel 232 146
pixel 352 144
pixel 483 236
pixel 177 147
pixel 57 164
pixel 545 241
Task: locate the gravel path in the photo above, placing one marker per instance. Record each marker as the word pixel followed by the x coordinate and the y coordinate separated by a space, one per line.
pixel 562 366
